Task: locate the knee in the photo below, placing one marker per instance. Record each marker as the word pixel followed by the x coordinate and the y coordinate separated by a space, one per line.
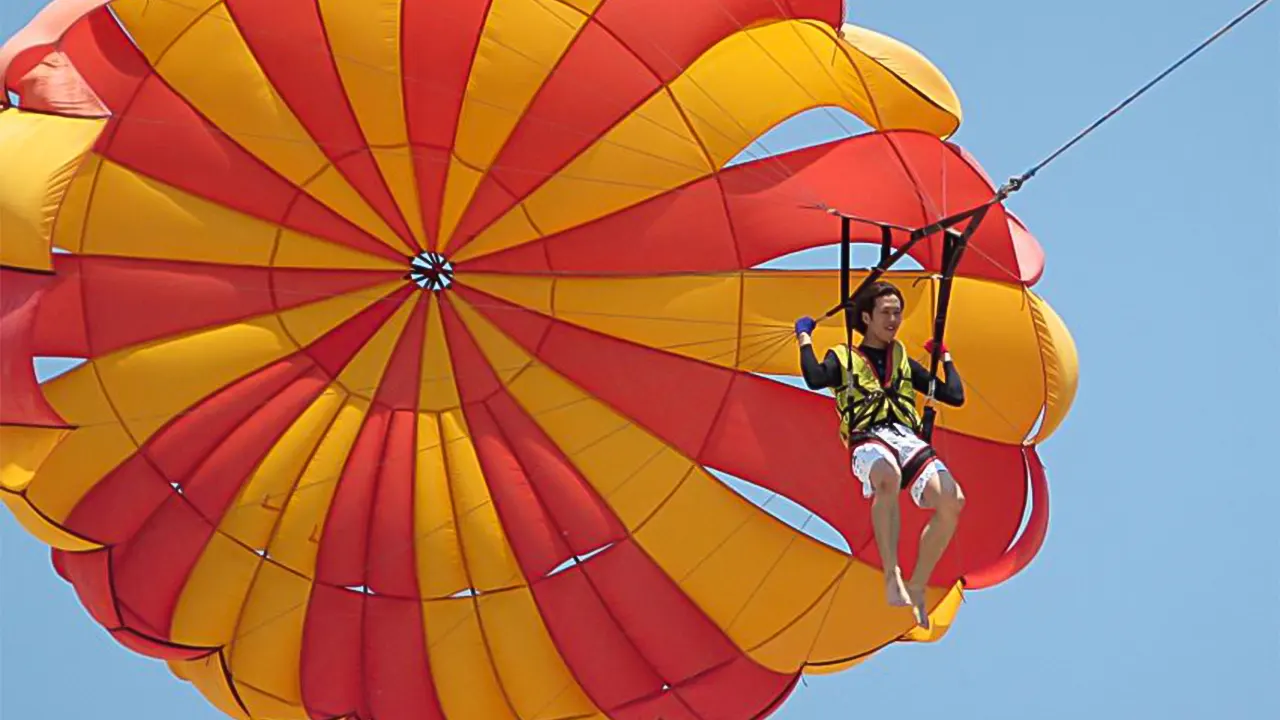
pixel 885 478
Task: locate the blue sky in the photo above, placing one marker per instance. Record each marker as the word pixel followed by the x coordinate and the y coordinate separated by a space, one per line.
pixel 1155 593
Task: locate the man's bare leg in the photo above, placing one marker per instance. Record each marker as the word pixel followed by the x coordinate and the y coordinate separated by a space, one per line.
pixel 944 496
pixel 885 521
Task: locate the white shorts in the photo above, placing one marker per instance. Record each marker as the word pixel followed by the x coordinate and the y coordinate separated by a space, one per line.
pixel 898 446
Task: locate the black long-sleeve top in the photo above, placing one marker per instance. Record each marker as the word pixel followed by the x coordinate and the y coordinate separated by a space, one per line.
pixel 826 374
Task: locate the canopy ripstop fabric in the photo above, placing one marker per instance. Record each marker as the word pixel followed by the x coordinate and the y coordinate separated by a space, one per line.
pixel 413 330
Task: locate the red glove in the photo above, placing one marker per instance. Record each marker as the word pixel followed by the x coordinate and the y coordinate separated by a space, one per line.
pixel 928 347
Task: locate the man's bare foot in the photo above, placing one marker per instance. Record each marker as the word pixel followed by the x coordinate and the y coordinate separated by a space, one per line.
pixel 895 589
pixel 918 606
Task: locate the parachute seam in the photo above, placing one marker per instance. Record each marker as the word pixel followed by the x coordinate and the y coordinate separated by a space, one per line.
pixel 111 131
pixel 738 653
pixel 451 245
pixel 119 607
pixel 92 362
pixel 1049 366
pixel 695 463
pixel 733 376
pixel 786 172
pixel 829 593
pixel 366 574
pixel 272 534
pixel 715 171
pixel 84 161
pixel 528 583
pixel 207 125
pixel 461 536
pixel 176 38
pixel 662 85
pixel 843 47
pixel 451 151
pixel 268 693
pixel 145 455
pixel 913 181
pixel 299 187
pixel 554 522
pixel 335 378
pixel 910 87
pixel 57 524
pixel 742 308
pixel 411 241
pixel 227 678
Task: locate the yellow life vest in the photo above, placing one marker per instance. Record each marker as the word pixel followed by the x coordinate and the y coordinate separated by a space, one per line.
pixel 865 399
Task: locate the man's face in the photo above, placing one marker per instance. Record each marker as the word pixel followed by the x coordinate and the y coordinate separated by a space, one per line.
pixel 886 318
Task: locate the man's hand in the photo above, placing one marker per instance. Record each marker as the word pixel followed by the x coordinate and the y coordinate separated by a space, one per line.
pixel 928 347
pixel 804 328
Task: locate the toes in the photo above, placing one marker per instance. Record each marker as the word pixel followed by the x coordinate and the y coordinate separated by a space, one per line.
pixel 922 615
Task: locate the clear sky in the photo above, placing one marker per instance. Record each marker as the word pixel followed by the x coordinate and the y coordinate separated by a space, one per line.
pixel 1156 593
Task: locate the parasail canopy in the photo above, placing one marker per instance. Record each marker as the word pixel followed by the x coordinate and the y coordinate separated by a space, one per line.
pixel 419 336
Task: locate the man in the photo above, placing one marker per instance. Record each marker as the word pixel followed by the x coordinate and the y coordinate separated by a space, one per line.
pixel 875 398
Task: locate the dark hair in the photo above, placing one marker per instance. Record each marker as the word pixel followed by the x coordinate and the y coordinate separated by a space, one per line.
pixel 865 301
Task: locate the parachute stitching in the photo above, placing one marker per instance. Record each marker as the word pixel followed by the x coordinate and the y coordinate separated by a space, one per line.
pixel 364 391
pixel 207 125
pixel 663 86
pixel 310 580
pixel 909 87
pixel 752 167
pixel 410 241
pixel 212 128
pixel 451 243
pixel 441 242
pixel 560 531
pixel 216 526
pixel 200 15
pixel 464 560
pixel 92 363
pixel 89 159
pixel 295 485
pixel 1050 369
pixel 461 536
pixel 783 174
pixel 791 22
pixel 44 515
pixel 826 614
pixel 773 566
pixel 367 576
pixel 230 681
pixel 838 48
pixel 695 460
pixel 827 592
pixel 742 305
pixel 571 456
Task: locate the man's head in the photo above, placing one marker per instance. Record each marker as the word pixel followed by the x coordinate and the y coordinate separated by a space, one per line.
pixel 878 312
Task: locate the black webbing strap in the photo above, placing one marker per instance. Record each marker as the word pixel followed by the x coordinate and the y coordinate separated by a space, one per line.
pixel 846 249
pixel 890 259
pixel 954 244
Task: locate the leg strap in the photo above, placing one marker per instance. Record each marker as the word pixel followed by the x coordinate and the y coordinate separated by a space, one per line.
pixel 916 464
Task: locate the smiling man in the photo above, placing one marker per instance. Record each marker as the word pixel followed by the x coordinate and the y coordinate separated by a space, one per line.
pixel 875 397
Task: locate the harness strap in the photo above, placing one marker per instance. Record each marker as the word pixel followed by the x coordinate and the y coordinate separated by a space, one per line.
pixel 954 245
pixel 874 399
pixel 914 466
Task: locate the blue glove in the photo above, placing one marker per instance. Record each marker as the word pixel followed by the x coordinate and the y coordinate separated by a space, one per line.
pixel 805 326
